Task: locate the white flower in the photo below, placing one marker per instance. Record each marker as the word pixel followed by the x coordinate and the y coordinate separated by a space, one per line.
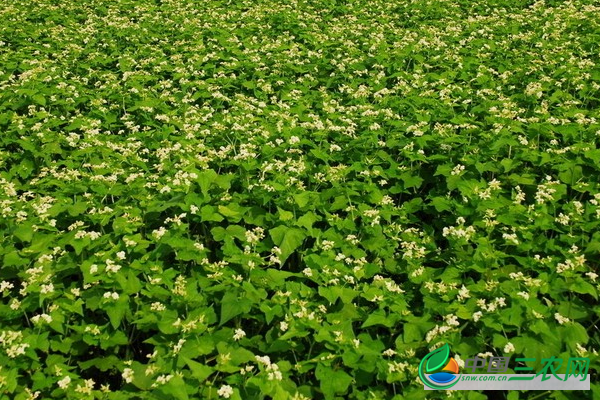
pixel 49 288
pixel 64 382
pixel 561 320
pixel 255 235
pixel 457 169
pixel 158 233
pixel 127 375
pixel 463 293
pixel 87 388
pixel 15 304
pixel 511 237
pixel 581 351
pixel 265 360
pixel 389 352
pixel 537 314
pixel 36 319
pixel 327 245
pixel 534 89
pixel 162 379
pixel 524 295
pixel 4 285
pixel 592 275
pixel 178 346
pixel 112 267
pixel 239 333
pixel 150 370
pixel 111 295
pixel 225 391
pixel 459 361
pixel 562 219
pixel 509 348
pixel 452 320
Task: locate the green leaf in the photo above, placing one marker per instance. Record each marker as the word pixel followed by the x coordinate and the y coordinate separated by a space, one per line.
pixel 102 363
pixel 337 292
pixel 117 338
pixel 412 333
pixel 332 382
pixel 224 181
pixel 583 287
pixel 287 239
pixel 199 371
pixel 302 199
pixel 378 318
pixel 571 175
pixel 232 306
pixel 205 179
pixel 24 232
pixel 209 213
pixel 307 220
pixel 285 215
pixel 77 209
pixel 476 396
pixel 441 204
pixel 218 233
pixel 232 211
pixel 236 231
pixel 253 294
pixel 278 277
pixel 26 168
pixel 176 388
pixel 443 170
pixel 131 285
pixel 271 312
pixel 507 164
pixel 228 212
pixel 321 155
pixel 411 180
pixel 12 259
pixel 117 311
pixel 576 333
pixel 594 155
pixel 593 247
pixel 39 99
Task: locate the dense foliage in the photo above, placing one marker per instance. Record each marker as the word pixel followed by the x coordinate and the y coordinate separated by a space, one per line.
pixel 293 200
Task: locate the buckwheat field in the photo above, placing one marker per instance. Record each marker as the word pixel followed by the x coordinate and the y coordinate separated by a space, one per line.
pixel 294 200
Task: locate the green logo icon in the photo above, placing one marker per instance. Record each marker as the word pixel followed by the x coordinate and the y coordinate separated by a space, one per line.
pixel 441 368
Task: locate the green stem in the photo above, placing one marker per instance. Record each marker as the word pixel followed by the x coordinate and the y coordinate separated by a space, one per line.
pixel 540 395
